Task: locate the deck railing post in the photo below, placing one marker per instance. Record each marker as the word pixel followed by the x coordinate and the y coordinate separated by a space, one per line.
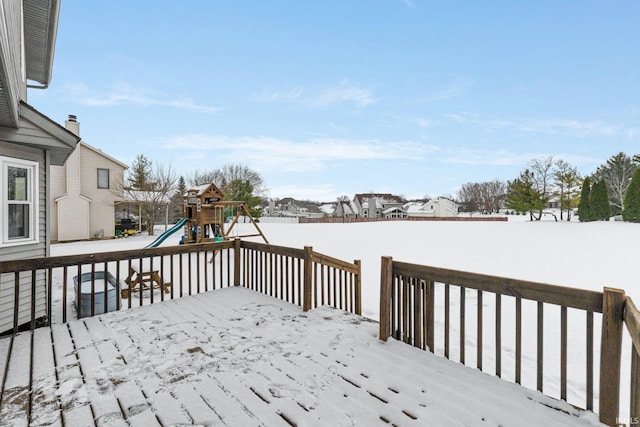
pixel 358 289
pixel 307 284
pixel 236 262
pixel 386 281
pixel 610 354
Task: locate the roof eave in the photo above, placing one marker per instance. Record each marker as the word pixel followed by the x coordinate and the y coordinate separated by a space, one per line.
pixel 41 29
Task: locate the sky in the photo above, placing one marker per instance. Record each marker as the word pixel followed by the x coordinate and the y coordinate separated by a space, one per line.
pixel 330 98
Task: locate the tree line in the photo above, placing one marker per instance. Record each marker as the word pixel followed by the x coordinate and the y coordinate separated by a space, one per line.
pixel 613 189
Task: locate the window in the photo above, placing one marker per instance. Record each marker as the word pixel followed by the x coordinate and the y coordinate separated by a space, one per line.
pixel 103 178
pixel 19 201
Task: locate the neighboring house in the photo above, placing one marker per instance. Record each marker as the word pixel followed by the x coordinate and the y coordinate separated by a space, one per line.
pixel 394 212
pixel 346 209
pixel 373 205
pixel 30 143
pixel 84 192
pixel 554 202
pixel 438 207
pixel 328 208
pixel 290 207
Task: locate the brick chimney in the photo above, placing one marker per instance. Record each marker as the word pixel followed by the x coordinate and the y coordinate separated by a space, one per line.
pixel 72 124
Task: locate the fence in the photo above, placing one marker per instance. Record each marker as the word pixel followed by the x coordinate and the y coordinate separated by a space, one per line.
pixel 112 280
pixel 340 219
pixel 408 295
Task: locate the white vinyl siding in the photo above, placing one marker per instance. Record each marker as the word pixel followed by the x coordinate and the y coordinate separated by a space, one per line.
pixel 23 251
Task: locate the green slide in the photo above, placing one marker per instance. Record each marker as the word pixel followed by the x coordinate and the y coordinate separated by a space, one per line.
pixel 161 238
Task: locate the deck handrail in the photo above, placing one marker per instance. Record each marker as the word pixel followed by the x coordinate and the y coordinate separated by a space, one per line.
pixel 300 276
pixel 99 257
pixel 407 313
pixel 137 275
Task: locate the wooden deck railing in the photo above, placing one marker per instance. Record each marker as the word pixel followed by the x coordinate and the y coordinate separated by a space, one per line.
pixel 632 321
pixel 410 296
pixel 133 278
pixel 301 276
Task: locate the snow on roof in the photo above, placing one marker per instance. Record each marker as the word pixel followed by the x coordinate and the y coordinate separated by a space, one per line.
pixel 414 207
pixel 328 208
pixel 381 198
pixel 237 357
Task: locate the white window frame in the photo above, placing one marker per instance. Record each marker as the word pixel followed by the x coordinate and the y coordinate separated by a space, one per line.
pixel 32 201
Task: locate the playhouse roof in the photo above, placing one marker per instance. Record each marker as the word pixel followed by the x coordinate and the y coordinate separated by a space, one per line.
pixel 205 190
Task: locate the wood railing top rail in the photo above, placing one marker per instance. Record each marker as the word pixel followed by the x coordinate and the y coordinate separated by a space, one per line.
pixel 70 260
pixel 552 294
pixel 334 262
pixel 632 320
pixel 274 249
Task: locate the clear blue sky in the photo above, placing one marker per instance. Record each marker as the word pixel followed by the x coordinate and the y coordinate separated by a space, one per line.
pixel 334 97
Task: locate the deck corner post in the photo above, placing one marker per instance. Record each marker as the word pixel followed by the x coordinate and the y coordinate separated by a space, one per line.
pixel 236 262
pixel 386 281
pixel 610 354
pixel 358 290
pixel 308 278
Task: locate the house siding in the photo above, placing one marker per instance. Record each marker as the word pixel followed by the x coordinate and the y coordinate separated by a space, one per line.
pixel 14 87
pixel 102 209
pixel 81 210
pixel 7 291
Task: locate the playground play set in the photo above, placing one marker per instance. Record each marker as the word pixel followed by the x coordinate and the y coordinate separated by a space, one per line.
pixel 206 218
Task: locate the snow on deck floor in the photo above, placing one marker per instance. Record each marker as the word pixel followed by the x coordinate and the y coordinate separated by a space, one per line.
pixel 238 358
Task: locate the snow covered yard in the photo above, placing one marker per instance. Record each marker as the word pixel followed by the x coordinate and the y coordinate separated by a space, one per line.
pixel 235 357
pixel 588 256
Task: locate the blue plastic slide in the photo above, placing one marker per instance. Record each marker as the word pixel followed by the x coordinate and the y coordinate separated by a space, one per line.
pixel 161 238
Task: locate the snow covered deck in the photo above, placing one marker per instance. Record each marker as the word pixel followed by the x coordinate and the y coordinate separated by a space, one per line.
pixel 235 357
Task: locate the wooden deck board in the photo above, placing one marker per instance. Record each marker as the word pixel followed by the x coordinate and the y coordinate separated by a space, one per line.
pixel 44 380
pixel 197 409
pixel 236 357
pixel 15 397
pixel 230 411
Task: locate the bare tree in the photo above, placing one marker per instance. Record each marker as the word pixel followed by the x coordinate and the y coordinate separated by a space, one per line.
pixel 542 180
pixel 496 191
pixel 616 173
pixel 469 197
pixel 150 186
pixel 227 174
pixel 482 196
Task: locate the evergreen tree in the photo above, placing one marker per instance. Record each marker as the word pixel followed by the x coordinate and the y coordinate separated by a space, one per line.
pixel 599 201
pixel 567 180
pixel 150 186
pixel 242 191
pixel 584 208
pixel 139 175
pixel 631 210
pixel 177 201
pixel 523 197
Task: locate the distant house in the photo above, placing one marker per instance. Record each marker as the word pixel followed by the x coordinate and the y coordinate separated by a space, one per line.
pixel 84 192
pixel 30 143
pixel 346 209
pixel 328 208
pixel 374 205
pixel 438 207
pixel 292 208
pixel 554 202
